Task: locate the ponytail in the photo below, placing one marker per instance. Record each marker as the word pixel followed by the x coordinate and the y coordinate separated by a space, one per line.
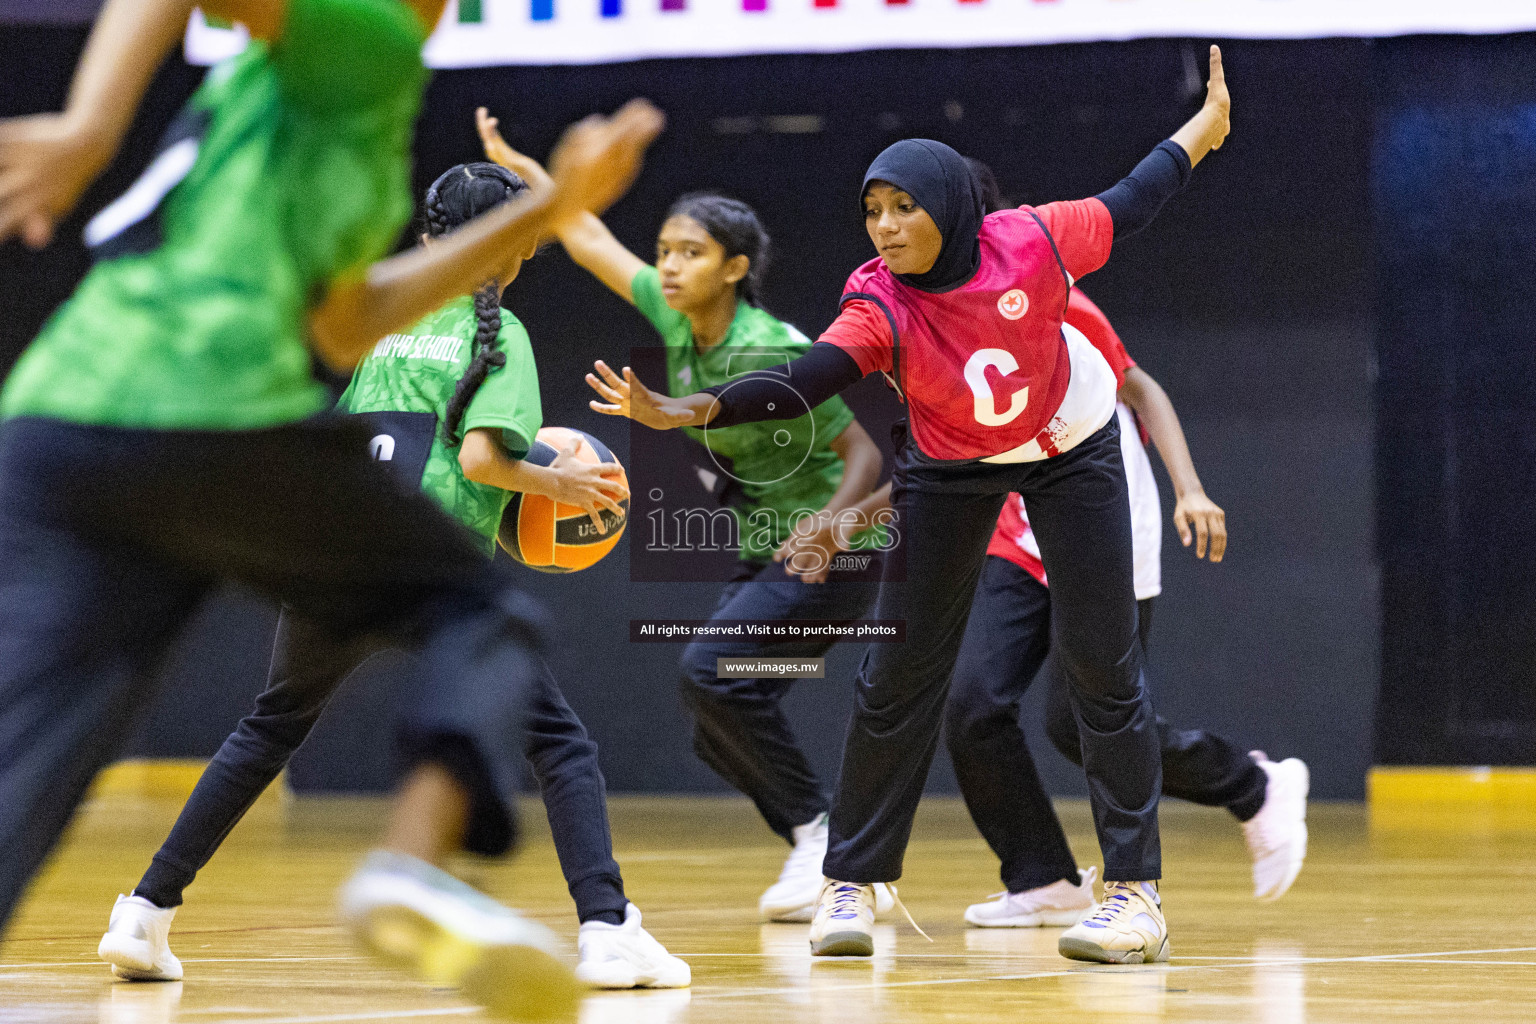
pixel 487 356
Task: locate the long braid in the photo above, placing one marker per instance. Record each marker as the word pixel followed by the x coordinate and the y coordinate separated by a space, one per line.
pixel 459 195
pixel 488 356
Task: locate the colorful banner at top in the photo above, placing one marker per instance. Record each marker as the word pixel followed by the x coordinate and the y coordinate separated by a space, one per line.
pixel 479 33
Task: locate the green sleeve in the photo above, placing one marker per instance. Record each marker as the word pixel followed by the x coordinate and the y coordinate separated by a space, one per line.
pixel 509 398
pixel 336 55
pixel 645 289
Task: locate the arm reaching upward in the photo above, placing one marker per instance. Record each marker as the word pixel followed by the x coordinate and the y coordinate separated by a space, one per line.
pixel 592 166
pixel 1136 199
pixel 1208 129
pixel 585 237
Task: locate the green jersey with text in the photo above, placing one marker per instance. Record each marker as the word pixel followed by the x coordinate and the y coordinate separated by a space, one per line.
pixel 288 170
pixel 785 468
pixel 417 372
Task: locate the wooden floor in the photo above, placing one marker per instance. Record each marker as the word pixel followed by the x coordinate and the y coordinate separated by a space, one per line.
pixel 1398 920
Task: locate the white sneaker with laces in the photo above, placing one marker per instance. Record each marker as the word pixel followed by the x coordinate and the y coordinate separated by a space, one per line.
pixel 627 956
pixel 1127 928
pixel 416 916
pixel 1277 835
pixel 793 896
pixel 1048 906
pixel 844 920
pixel 138 941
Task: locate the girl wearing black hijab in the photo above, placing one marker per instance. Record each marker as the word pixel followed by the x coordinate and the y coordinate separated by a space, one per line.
pixel 963 313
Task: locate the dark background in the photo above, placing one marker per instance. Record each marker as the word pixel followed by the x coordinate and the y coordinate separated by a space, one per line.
pixel 1370 210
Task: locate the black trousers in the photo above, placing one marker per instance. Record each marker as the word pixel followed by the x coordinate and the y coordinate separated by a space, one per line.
pixel 738 727
pixel 308 667
pixel 1007 641
pixel 1080 512
pixel 110 537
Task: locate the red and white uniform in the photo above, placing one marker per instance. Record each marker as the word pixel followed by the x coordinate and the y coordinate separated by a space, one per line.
pixel 1015 541
pixel 990 370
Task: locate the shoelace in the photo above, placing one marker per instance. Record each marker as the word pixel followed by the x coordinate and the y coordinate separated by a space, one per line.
pixel 1115 902
pixel 897 900
pixel 845 903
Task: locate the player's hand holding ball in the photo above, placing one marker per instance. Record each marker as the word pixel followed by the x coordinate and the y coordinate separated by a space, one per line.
pixel 592 486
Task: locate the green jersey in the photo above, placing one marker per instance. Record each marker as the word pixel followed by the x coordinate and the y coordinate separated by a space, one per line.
pixel 292 171
pixel 418 371
pixel 786 468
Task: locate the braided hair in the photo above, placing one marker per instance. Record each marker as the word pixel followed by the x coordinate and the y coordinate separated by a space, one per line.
pixel 458 196
pixel 735 226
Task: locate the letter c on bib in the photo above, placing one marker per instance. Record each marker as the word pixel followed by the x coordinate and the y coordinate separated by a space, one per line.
pixel 382 448
pixel 986 403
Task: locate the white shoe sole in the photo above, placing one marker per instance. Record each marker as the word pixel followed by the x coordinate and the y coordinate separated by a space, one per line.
pixel 1092 952
pixel 849 943
pixel 622 976
pixel 134 959
pixel 509 978
pixel 1042 919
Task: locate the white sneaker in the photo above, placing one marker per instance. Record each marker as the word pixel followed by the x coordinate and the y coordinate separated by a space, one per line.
pixel 627 956
pixel 844 920
pixel 138 941
pixel 793 896
pixel 1277 835
pixel 418 917
pixel 1127 928
pixel 1048 906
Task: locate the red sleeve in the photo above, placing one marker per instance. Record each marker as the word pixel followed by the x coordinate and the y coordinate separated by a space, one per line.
pixel 1088 318
pixel 862 331
pixel 1084 233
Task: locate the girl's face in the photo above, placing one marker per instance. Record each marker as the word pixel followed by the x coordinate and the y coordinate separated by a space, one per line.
pixel 693 267
pixel 905 236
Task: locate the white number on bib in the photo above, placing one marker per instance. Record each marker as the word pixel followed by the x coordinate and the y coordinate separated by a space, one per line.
pixel 986 402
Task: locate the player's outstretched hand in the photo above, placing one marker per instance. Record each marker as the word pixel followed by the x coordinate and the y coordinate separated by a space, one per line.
pixel 626 396
pixel 587 485
pixel 1200 519
pixel 497 151
pixel 46 162
pixel 1218 100
pixel 598 157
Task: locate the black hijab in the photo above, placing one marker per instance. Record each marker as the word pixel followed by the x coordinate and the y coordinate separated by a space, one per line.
pixel 942 183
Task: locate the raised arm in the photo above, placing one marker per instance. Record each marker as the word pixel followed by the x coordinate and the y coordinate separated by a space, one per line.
pixel 1193 512
pixel 592 166
pixel 1136 199
pixel 585 237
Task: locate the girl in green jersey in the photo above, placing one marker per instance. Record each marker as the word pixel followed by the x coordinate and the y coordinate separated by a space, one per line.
pixel 703 296
pixel 463 381
pixel 162 435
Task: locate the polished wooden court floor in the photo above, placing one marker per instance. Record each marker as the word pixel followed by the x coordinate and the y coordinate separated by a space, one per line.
pixel 1412 918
